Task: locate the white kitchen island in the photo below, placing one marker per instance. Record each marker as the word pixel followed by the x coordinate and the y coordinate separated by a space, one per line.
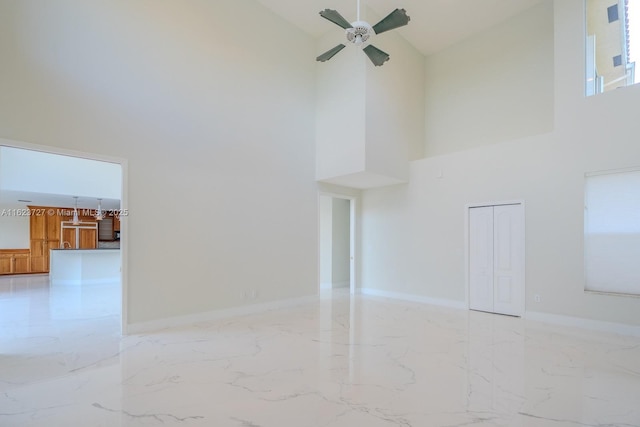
pixel 84 266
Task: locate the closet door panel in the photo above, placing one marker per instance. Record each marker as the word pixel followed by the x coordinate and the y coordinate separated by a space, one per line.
pixel 508 264
pixel 481 258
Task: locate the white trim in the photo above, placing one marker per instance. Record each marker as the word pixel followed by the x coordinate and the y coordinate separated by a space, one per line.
pixel 190 319
pixel 61 151
pixel 579 322
pixel 502 203
pixel 353 218
pixel 611 294
pixel 555 319
pixel 442 302
pixel 82 282
pixel 341 284
pixel 124 206
pixel 536 316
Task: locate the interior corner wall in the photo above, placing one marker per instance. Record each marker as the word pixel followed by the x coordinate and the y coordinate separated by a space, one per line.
pixel 217 127
pixel 413 238
pixel 340 110
pixel 495 86
pixel 369 118
pixel 395 107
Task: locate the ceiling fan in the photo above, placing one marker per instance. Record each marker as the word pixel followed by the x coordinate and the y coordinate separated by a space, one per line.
pixel 360 33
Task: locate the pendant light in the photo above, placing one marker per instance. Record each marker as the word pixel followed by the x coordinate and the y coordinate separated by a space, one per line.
pixel 76 220
pixel 99 215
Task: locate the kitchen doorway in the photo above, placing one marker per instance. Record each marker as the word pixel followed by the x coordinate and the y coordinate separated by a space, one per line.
pixel 58 193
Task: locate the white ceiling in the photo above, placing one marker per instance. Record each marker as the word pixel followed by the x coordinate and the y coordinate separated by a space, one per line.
pixel 36 178
pixel 434 25
pixel 13 199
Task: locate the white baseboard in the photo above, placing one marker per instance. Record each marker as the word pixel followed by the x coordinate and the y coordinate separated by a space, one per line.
pixel 579 322
pixel 414 298
pixel 189 319
pixel 338 285
pixel 83 282
pixel 556 319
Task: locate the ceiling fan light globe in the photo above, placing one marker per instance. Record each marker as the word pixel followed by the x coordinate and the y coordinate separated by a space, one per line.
pixel 360 33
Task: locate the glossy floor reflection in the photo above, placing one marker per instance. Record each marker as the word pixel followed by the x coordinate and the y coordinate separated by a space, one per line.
pixel 338 362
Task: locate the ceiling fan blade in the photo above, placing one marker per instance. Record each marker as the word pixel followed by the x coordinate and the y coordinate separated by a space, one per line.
pixel 336 18
pixel 397 18
pixel 330 53
pixel 376 56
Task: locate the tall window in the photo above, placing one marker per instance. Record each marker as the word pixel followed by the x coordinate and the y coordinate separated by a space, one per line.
pixel 612 232
pixel 613 44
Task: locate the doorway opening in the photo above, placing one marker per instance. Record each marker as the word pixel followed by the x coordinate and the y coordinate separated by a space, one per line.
pixel 336 237
pixel 42 189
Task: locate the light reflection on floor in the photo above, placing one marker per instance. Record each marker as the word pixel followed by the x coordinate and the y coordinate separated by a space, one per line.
pixel 340 361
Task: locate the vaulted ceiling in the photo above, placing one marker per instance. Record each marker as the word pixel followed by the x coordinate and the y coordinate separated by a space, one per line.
pixel 435 24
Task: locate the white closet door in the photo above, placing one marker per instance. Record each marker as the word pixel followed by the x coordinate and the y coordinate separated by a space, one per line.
pixel 481 258
pixel 496 259
pixel 508 250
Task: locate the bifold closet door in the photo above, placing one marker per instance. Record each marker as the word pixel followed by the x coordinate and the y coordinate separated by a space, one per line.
pixel 481 258
pixel 496 259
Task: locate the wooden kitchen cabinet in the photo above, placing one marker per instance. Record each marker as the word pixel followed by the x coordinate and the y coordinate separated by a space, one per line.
pixel 68 238
pixel 82 236
pixel 22 263
pixel 37 225
pixel 88 238
pixel 44 229
pixel 14 261
pixel 39 256
pixel 53 225
pixel 6 264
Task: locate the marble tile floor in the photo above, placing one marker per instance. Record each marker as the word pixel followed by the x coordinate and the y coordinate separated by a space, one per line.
pixel 340 361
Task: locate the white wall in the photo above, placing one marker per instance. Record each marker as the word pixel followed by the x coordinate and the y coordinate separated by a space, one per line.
pixel 413 235
pixel 493 87
pixel 395 107
pixel 340 119
pixel 217 125
pixel 14 226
